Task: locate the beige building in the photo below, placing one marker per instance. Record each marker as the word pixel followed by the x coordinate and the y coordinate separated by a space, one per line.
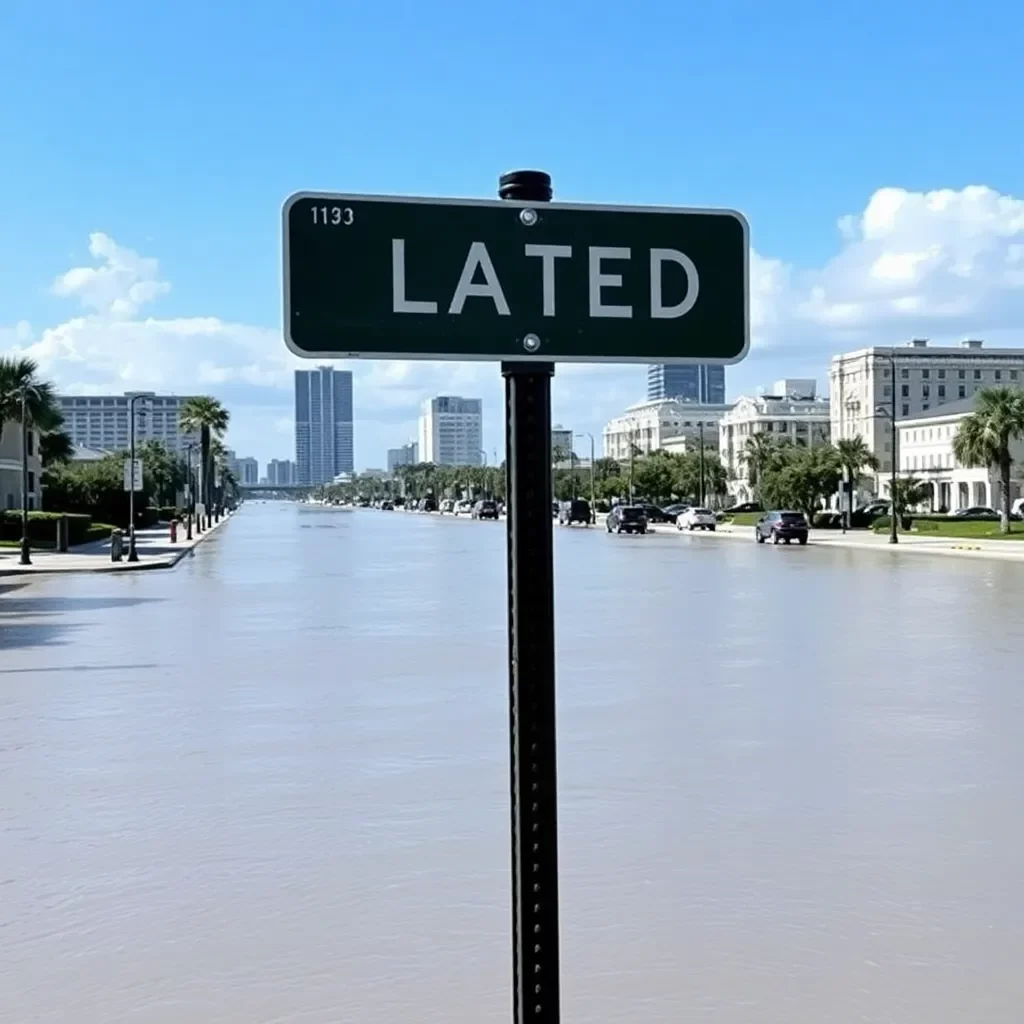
pixel 862 386
pixel 10 468
pixel 925 450
pixel 791 412
pixel 653 425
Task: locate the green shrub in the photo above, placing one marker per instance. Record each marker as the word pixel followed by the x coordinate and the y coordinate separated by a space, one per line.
pixel 42 527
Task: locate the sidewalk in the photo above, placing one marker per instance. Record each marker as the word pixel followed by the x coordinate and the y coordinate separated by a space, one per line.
pixel 967 547
pixel 154 548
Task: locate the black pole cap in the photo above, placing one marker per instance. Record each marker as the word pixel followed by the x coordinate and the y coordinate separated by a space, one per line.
pixel 530 186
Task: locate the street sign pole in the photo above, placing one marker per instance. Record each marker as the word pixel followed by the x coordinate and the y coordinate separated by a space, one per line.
pixel 531 640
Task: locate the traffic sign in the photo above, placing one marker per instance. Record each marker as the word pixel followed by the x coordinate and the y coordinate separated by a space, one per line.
pixel 397 277
pixel 130 478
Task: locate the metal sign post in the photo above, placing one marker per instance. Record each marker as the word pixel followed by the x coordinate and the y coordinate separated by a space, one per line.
pixel 531 641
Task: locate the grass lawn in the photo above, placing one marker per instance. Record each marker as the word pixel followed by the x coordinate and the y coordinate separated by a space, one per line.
pixel 969 530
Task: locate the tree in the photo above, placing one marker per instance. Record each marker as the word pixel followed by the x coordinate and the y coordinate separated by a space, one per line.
pixel 18 374
pixel 656 475
pixel 984 438
pixel 801 478
pixel 757 452
pixel 164 470
pixel 210 418
pixel 55 448
pixel 854 455
pixel 909 492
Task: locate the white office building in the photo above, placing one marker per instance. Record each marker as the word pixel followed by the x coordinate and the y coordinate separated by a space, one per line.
pixel 451 431
pixel 925 451
pixel 407 455
pixel 862 387
pixel 248 472
pixel 650 426
pixel 101 421
pixel 790 412
pixel 324 440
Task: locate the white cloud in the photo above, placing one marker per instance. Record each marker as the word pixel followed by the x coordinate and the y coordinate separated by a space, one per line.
pixel 938 264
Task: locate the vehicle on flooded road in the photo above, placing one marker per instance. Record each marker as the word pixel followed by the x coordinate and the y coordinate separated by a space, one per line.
pixel 626 519
pixel 696 519
pixel 781 527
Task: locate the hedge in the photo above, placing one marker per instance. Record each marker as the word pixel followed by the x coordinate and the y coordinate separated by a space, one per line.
pixel 42 527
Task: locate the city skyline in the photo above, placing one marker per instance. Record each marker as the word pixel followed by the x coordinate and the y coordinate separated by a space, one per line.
pixel 324 427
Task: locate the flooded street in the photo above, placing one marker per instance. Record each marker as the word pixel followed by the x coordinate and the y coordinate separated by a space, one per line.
pixel 272 784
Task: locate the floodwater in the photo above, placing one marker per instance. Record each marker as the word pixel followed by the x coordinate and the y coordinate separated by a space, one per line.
pixel 272 785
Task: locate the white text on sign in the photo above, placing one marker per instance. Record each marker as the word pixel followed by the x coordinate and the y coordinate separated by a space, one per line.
pixel 602 279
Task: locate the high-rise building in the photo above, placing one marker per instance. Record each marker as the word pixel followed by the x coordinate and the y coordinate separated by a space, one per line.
pixel 280 472
pixel 561 441
pixel 407 455
pixel 451 431
pixel 248 472
pixel 323 425
pixel 692 383
pixel 101 421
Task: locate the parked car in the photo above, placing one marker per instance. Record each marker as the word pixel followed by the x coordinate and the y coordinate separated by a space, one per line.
pixel 447 505
pixel 781 526
pixel 387 505
pixel 464 508
pixel 696 519
pixel 746 506
pixel 976 512
pixel 675 510
pixel 575 511
pixel 654 513
pixel 428 504
pixel 626 519
pixel 485 509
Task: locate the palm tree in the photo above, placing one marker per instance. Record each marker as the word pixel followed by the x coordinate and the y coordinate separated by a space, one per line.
pixel 854 455
pixel 757 452
pixel 55 448
pixel 909 492
pixel 18 374
pixel 984 438
pixel 210 418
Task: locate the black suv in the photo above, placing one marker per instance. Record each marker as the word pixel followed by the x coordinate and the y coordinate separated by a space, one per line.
pixel 485 509
pixel 653 513
pixel 781 526
pixel 575 511
pixel 626 519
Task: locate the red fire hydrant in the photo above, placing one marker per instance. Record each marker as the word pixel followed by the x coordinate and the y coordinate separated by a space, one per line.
pixel 174 531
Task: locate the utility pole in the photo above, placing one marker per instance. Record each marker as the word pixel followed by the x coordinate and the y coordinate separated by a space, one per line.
pixel 25 558
pixel 593 489
pixel 133 555
pixel 701 500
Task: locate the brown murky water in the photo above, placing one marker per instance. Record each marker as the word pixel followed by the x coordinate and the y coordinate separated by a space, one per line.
pixel 272 785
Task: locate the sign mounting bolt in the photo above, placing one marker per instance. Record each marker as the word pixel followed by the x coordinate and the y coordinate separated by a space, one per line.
pixel 528 217
pixel 531 342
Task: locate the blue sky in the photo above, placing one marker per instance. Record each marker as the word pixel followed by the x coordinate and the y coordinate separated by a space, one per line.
pixel 175 131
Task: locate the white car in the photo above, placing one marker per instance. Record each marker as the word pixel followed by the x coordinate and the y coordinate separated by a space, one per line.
pixel 696 519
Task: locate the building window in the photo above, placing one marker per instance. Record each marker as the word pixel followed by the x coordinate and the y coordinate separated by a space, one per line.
pixel 904 391
pixel 887 391
pixel 30 444
pixel 977 374
pixel 999 374
pixel 962 374
pixel 925 407
pixel 942 392
pixel 904 374
pixel 885 373
pixel 942 374
pixel 926 391
pixel 925 374
pixel 1013 375
pixel 31 481
pixel 906 410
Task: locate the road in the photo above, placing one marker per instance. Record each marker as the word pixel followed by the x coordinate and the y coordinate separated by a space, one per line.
pixel 271 784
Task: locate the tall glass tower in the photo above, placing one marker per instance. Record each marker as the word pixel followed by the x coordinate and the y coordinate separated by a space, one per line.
pixel 692 383
pixel 323 425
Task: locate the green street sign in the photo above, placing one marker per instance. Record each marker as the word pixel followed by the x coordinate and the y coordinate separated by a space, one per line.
pixel 395 277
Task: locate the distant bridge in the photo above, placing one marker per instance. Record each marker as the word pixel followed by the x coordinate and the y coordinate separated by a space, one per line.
pixel 272 490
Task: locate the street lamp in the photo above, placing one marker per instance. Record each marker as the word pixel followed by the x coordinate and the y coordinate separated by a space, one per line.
pixel 881 410
pixel 133 555
pixel 25 558
pixel 700 424
pixel 593 493
pixel 188 479
pixel 487 476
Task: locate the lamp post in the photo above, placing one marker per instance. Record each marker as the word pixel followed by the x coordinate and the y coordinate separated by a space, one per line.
pixel 593 490
pixel 891 413
pixel 188 479
pixel 133 555
pixel 487 475
pixel 25 558
pixel 701 499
